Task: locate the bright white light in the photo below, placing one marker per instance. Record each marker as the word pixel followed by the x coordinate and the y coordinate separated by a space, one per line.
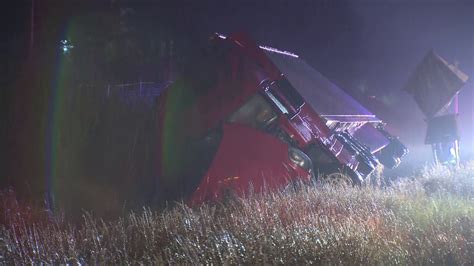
pixel 221 36
pixel 267 48
pixel 274 50
pixel 65 46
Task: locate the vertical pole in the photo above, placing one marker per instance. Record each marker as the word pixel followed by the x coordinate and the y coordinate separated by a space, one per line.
pixel 140 93
pixel 32 26
pixel 456 151
pixel 456 103
pixel 456 144
pixel 434 148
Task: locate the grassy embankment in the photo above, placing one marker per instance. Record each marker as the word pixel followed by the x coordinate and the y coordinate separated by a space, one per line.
pixel 428 219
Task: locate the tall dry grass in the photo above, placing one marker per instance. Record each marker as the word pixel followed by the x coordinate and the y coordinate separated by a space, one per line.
pixel 423 220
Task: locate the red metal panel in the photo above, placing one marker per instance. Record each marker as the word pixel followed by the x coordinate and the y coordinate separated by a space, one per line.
pixel 246 159
pixel 238 79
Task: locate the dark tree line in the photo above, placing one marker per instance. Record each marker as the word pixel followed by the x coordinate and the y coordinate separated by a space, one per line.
pixel 95 140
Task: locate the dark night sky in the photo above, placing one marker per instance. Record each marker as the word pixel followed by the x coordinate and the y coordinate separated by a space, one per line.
pixel 362 45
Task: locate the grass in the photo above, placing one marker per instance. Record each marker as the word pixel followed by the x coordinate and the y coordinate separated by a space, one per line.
pixel 424 220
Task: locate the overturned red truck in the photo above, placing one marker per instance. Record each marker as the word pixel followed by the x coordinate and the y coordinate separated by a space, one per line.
pixel 250 117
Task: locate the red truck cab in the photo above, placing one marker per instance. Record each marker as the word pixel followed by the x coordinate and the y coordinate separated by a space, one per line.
pixel 250 129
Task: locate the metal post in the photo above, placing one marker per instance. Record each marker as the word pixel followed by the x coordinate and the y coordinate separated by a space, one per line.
pixel 32 26
pixel 456 103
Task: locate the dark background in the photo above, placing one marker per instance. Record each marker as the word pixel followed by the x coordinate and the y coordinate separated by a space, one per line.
pixel 367 47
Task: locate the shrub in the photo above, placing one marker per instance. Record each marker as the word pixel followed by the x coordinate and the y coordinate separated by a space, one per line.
pixel 424 220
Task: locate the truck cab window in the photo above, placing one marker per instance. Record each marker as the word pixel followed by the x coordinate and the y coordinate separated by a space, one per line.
pixel 256 112
pixel 285 96
pixel 290 93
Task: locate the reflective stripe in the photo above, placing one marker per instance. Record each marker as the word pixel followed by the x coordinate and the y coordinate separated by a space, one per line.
pixel 277 102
